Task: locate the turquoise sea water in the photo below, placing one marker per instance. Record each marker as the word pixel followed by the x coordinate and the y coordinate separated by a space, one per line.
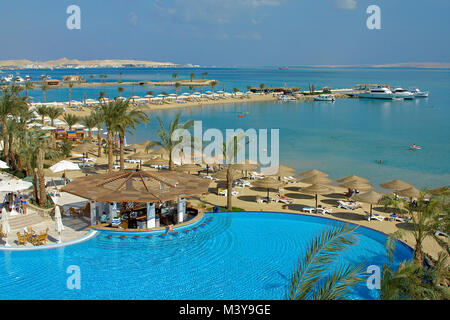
pixel 229 256
pixel 342 138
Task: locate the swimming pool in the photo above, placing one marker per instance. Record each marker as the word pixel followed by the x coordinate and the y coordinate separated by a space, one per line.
pixel 240 255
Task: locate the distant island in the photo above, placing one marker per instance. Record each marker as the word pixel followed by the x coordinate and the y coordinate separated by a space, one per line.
pixel 65 63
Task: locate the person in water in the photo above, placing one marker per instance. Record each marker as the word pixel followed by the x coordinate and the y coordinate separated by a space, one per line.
pixel 170 228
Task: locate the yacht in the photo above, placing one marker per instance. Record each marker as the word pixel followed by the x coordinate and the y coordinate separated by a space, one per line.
pixel 18 79
pixel 403 94
pixel 419 94
pixel 8 79
pixel 377 93
pixel 325 97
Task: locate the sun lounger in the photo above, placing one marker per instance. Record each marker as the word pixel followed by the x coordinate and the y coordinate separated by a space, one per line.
pixel 376 216
pixel 347 205
pixel 225 193
pixel 394 217
pixel 309 209
pixel 324 211
pixel 440 233
pixel 283 199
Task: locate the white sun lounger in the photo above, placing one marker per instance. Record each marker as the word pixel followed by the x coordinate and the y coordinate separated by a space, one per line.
pixel 225 193
pixel 440 233
pixel 324 211
pixel 309 209
pixel 376 216
pixel 342 204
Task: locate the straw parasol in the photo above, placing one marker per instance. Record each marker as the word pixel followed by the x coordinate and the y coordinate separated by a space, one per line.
pixel 354 184
pixel 284 171
pixel 160 151
pixel 371 197
pixel 353 178
pixel 409 192
pixel 222 175
pixel 396 185
pixel 138 186
pixel 157 162
pixel 268 183
pixel 316 180
pixel 317 189
pixel 313 172
pixel 189 168
pixel 140 156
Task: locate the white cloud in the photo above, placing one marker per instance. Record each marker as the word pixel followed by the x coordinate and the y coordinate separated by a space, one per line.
pixel 346 4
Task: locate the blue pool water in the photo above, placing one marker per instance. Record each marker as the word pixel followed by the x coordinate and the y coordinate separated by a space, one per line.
pixel 231 256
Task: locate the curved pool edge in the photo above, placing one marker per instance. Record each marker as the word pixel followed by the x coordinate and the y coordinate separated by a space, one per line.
pixel 323 218
pixel 92 234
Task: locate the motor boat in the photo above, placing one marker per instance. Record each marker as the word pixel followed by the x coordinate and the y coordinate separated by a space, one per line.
pixel 27 78
pixel 286 98
pixel 419 94
pixel 401 93
pixel 9 78
pixel 325 97
pixel 377 93
pixel 19 79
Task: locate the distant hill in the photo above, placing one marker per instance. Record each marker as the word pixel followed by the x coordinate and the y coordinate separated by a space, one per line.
pixel 75 63
pixel 427 65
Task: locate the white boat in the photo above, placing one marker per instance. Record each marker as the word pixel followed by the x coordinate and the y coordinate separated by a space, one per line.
pixel 401 93
pixel 377 93
pixel 27 78
pixel 9 78
pixel 325 97
pixel 286 98
pixel 18 79
pixel 419 94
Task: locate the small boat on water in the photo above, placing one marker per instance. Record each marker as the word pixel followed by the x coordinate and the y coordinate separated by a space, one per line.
pixel 8 79
pixel 286 98
pixel 377 93
pixel 401 93
pixel 283 68
pixel 19 79
pixel 419 94
pixel 325 97
pixel 27 78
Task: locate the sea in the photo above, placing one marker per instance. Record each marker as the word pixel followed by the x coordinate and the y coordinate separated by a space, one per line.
pixel 349 136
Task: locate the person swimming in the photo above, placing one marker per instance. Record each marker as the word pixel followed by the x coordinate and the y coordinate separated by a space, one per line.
pixel 170 228
pixel 415 147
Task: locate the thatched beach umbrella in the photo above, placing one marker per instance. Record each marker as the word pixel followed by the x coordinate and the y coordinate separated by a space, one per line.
pixel 159 152
pixel 284 171
pixel 157 162
pixel 396 185
pixel 313 172
pixel 371 197
pixel 409 192
pixel 189 168
pixel 141 156
pixel 356 185
pixel 316 180
pixel 245 167
pixel 353 178
pixel 317 189
pixel 268 183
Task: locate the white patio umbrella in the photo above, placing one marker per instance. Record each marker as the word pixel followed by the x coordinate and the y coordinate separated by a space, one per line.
pixel 14 185
pixel 6 228
pixel 148 96
pixel 48 128
pixel 78 126
pixel 59 227
pixel 63 166
pixel 3 165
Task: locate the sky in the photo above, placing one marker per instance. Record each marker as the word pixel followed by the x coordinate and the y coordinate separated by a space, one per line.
pixel 228 32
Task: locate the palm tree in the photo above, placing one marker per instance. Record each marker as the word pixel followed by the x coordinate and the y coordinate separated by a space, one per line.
pixel 175 75
pixel 414 282
pixel 205 74
pixel 425 221
pixel 44 87
pixel 191 89
pixel 43 112
pixel 249 88
pixel 10 105
pixel 166 136
pixel 71 120
pixel 101 96
pixel 177 86
pixel 313 278
pixel 111 113
pixel 89 122
pixel 28 86
pixel 126 122
pixel 98 119
pixel 54 113
pixel 192 76
pixel 213 85
pixel 262 86
pixel 120 89
pixel 70 93
pixel 235 90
